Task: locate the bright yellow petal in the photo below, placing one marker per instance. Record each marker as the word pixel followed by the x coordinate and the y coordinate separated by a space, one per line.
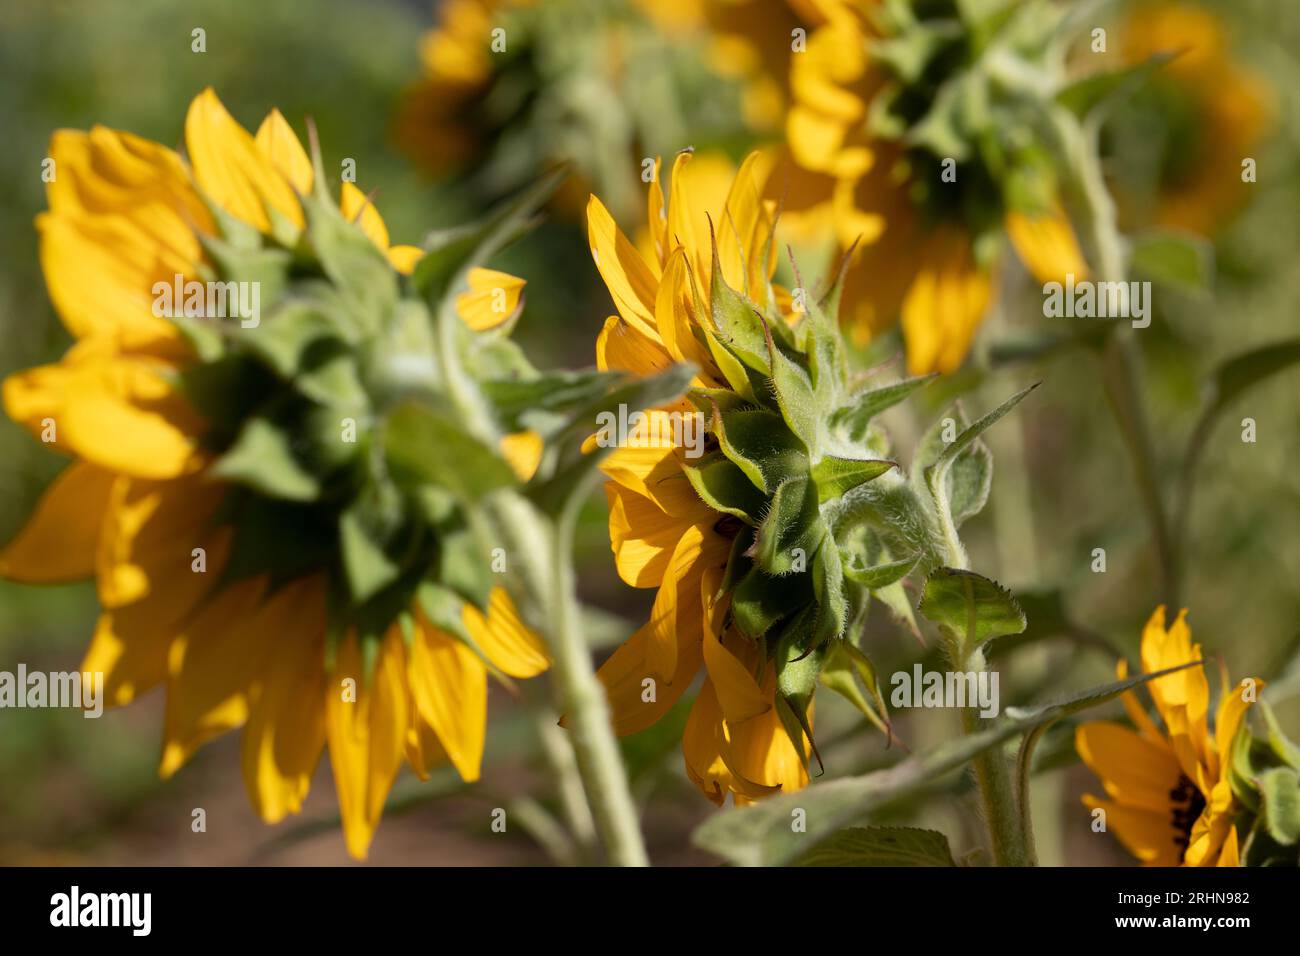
pixel 449 688
pixel 285 734
pixel 278 142
pixel 212 666
pixel 231 169
pixel 357 207
pixel 700 746
pixel 631 283
pixel 641 535
pixel 509 644
pixel 1135 771
pixel 1047 246
pixel 523 452
pixel 367 736
pixel 58 541
pixel 405 258
pixel 120 413
pixel 493 298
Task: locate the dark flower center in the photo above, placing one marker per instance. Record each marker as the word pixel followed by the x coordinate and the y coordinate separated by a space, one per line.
pixel 1188 804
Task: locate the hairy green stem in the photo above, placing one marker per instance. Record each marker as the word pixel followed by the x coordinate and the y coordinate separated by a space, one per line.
pixel 543 560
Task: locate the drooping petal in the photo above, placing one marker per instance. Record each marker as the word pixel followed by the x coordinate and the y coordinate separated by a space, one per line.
pixel 212 667
pixel 285 733
pixel 357 207
pixel 117 412
pixel 700 750
pixel 523 452
pixel 367 735
pixel 58 541
pixel 638 696
pixel 1047 246
pixel 642 537
pixel 512 646
pixel 449 689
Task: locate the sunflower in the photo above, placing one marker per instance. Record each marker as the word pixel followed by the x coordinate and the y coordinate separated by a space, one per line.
pixel 225 555
pixel 926 198
pixel 663 534
pixel 1199 116
pixel 1169 799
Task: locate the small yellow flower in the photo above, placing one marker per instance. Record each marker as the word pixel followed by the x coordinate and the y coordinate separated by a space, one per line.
pixel 663 535
pixel 139 511
pixel 1168 796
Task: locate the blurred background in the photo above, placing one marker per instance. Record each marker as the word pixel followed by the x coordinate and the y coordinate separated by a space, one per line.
pixel 441 129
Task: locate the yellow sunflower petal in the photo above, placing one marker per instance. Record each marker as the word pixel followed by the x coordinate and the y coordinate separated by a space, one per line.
pixel 231 169
pixel 58 542
pixel 1135 771
pixel 285 733
pixel 523 452
pixel 637 696
pixel 1047 246
pixel 700 750
pixel 116 412
pixel 405 258
pixel 631 283
pixel 367 735
pixel 507 641
pixel 493 298
pixel 212 667
pixel 278 142
pixel 449 688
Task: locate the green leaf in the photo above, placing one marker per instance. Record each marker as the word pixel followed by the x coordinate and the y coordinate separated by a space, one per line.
pixel 880 846
pixel 262 458
pixel 760 601
pixel 1103 88
pixel 1178 260
pixel 424 444
pixel 973 608
pixel 835 476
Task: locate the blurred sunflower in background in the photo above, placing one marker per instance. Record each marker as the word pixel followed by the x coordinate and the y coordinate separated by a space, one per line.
pixel 1170 798
pixel 663 534
pixel 271 582
pixel 917 129
pixel 511 86
pixel 1176 150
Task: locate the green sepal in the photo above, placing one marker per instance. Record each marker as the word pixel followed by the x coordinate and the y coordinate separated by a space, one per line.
pixel 262 458
pixel 759 601
pixel 760 444
pixel 792 524
pixel 848 672
pixel 836 476
pixel 724 487
pixel 362 274
pixel 424 444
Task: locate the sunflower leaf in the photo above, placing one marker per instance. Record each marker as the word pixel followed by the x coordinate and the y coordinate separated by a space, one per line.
pixel 880 846
pixel 971 607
